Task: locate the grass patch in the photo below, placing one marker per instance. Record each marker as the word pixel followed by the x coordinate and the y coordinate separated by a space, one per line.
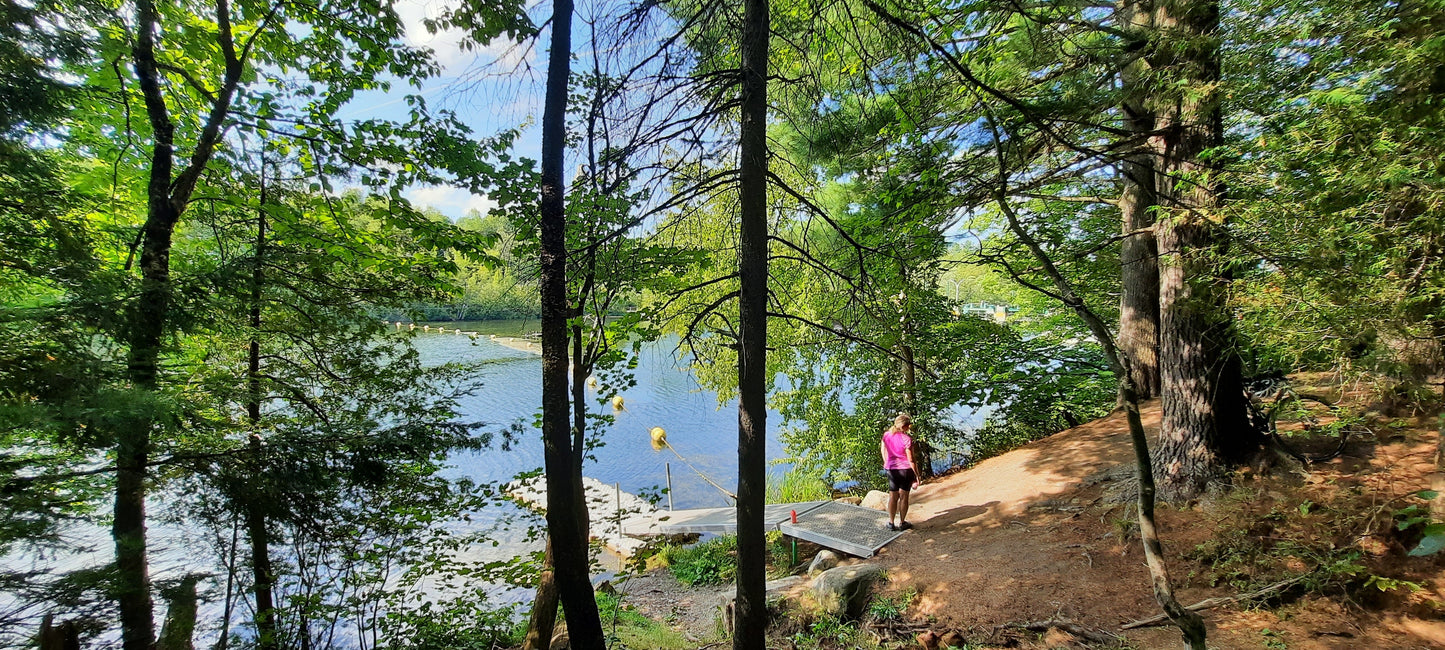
pixel 715 561
pixel 884 609
pixel 796 486
pixel 628 628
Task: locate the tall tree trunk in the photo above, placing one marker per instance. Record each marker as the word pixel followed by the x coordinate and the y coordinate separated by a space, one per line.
pixel 922 451
pixel 544 607
pixel 167 195
pixel 1138 254
pixel 566 505
pixel 1204 423
pixel 1191 624
pixel 260 539
pixel 544 602
pixel 751 620
pixel 147 324
pixel 180 625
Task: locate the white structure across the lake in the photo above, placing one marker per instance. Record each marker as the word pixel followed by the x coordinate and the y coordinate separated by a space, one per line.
pixel 622 521
pixel 610 512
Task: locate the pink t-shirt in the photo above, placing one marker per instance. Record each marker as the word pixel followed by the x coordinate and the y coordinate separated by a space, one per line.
pixel 896 443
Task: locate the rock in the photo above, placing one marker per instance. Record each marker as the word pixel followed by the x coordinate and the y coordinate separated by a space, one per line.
pixel 952 639
pixel 823 561
pixel 875 500
pixel 843 591
pixel 782 584
pixel 928 639
pixel 849 500
pixel 560 639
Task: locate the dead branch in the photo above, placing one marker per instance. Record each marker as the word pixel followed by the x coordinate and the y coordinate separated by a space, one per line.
pixel 1211 603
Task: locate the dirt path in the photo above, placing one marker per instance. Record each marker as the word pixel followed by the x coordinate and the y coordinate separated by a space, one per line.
pixel 1047 532
pixel 996 544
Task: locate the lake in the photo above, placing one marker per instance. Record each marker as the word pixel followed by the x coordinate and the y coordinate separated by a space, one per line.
pixel 666 395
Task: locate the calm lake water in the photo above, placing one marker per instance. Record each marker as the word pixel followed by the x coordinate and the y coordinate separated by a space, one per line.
pixel 666 395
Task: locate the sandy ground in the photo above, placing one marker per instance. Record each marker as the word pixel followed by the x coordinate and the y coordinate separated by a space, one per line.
pixel 1008 540
pixel 1035 534
pixel 1047 532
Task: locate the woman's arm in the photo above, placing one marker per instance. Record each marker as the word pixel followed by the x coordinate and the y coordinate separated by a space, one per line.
pixel 911 465
pixel 883 449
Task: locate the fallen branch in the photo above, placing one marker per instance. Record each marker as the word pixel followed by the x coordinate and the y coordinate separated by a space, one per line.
pixel 1089 634
pixel 1211 603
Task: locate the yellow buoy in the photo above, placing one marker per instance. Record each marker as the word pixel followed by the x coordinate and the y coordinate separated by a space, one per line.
pixel 659 438
pixel 617 401
pixel 426 328
pixel 592 381
pixel 413 326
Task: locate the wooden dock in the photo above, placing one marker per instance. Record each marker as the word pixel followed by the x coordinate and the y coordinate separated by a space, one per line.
pixel 840 526
pixel 617 518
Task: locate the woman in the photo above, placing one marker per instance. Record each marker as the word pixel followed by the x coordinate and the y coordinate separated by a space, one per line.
pixel 897 448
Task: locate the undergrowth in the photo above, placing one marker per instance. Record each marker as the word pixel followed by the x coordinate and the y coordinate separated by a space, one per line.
pixel 629 628
pixel 1316 536
pixel 715 561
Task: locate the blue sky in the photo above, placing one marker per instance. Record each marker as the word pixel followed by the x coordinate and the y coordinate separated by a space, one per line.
pixel 491 89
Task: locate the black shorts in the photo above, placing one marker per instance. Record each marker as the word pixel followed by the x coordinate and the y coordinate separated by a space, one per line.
pixel 900 479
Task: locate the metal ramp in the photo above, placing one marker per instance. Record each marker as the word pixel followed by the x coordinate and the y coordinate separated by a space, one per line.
pixel 840 526
pixel 725 520
pixel 843 526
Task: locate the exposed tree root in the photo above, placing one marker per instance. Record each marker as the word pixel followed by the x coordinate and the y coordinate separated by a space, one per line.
pixel 1080 631
pixel 1211 603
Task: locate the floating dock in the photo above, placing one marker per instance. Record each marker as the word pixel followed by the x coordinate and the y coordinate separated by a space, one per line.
pixel 615 517
pixel 523 343
pixel 854 530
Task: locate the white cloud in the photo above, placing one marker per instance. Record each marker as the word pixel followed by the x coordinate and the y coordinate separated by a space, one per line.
pixel 447 44
pixel 451 201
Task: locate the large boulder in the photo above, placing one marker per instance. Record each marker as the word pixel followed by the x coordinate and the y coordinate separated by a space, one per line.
pixel 844 591
pixel 560 639
pixel 875 500
pixel 824 560
pixel 782 584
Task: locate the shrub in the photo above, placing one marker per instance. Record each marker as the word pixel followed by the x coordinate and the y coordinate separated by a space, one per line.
pixel 712 562
pixel 798 485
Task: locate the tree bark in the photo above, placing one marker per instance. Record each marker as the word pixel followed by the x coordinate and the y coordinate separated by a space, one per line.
pixel 544 603
pixel 260 539
pixel 262 574
pixel 167 195
pixel 544 607
pixel 922 451
pixel 751 621
pixel 1138 254
pixel 180 626
pixel 566 507
pixel 65 636
pixel 1190 624
pixel 1204 424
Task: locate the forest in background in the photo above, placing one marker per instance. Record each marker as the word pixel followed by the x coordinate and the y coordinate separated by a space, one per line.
pixel 199 239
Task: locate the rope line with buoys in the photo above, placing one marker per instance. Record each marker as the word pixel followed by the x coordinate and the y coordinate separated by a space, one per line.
pixel 659 440
pixel 508 341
